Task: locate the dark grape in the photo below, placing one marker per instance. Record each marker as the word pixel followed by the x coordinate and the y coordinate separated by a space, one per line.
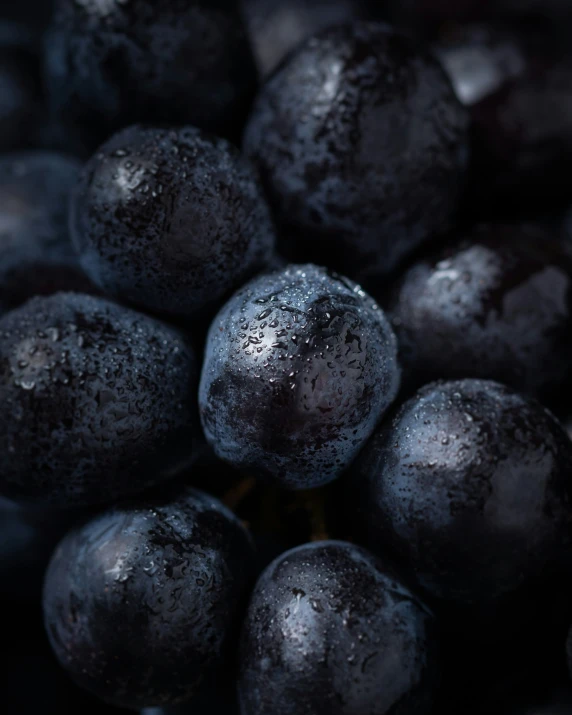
pixel 469 484
pixel 170 220
pixel 362 146
pixel 517 86
pixel 110 64
pixel 495 304
pixel 36 253
pixel 140 602
pixel 300 365
pixel 97 401
pixel 331 631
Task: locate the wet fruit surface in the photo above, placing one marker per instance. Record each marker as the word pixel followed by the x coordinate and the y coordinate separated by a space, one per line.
pixel 497 304
pixel 330 630
pixel 153 203
pixel 363 148
pixel 299 367
pixel 140 601
pixel 97 400
pixel 278 254
pixel 469 485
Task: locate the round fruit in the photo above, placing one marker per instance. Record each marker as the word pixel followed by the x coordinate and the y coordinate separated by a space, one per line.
pixel 139 603
pixel 496 304
pixel 363 148
pixel 331 631
pixel 300 365
pixel 170 219
pixel 97 401
pixel 469 484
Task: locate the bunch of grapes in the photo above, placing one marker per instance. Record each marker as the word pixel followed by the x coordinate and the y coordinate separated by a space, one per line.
pixel 286 357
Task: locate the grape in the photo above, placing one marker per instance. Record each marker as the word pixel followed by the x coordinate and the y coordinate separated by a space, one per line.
pixel 97 401
pixel 363 148
pixel 36 253
pixel 469 485
pixel 110 64
pixel 171 220
pixel 517 86
pixel 495 304
pixel 140 602
pixel 300 365
pixel 319 267
pixel 330 630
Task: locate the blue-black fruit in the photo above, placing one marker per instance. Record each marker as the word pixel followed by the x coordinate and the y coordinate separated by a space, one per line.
pixel 140 602
pixel 469 485
pixel 363 148
pixel 517 86
pixel 300 366
pixel 110 64
pixel 36 253
pixel 97 401
pixel 330 630
pixel 172 220
pixel 496 304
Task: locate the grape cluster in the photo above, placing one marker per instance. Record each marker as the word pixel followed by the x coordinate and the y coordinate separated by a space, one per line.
pixel 285 357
